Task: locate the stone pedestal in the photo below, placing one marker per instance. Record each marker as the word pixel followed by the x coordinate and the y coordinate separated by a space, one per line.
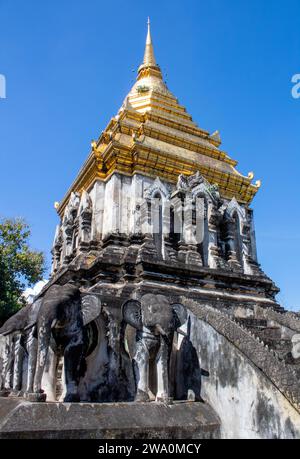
pixel 181 420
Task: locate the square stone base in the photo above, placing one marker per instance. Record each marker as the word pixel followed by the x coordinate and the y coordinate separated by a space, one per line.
pixel 182 420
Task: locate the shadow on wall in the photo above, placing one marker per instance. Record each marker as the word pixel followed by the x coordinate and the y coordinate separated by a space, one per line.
pixel 188 370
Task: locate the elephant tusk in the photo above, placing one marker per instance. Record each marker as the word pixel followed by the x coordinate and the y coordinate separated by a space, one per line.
pixel 29 327
pixel 180 332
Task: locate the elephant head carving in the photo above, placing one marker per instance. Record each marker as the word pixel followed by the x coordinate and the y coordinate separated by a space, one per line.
pixel 59 318
pixel 156 320
pixel 63 316
pixel 154 312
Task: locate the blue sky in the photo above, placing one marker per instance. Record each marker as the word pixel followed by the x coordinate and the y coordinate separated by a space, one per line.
pixel 69 64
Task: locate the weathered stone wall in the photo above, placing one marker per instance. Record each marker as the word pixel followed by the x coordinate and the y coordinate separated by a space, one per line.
pixel 115 202
pixel 125 206
pixel 250 402
pixel 97 196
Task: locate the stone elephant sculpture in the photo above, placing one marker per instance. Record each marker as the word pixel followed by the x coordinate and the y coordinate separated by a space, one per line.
pixel 155 321
pixel 63 322
pixel 17 338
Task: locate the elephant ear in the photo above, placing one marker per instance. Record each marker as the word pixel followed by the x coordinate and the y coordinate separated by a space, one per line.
pixel 90 308
pixel 180 314
pixel 131 313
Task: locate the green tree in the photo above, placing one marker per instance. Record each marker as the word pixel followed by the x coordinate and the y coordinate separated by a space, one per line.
pixel 19 265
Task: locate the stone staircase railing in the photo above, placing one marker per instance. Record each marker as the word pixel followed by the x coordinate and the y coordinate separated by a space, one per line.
pixel 287 319
pixel 283 376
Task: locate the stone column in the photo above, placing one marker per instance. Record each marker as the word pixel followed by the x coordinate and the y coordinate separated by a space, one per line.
pixel 157 225
pixel 32 347
pixel 18 363
pixel 67 246
pixel 214 258
pixel 7 364
pixel 68 222
pixel 250 265
pixel 111 220
pixel 178 204
pixel 169 251
pixel 147 247
pixel 253 251
pixel 85 222
pixel 97 196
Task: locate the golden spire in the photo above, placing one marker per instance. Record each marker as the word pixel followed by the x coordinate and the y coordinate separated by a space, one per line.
pixel 149 58
pixel 149 61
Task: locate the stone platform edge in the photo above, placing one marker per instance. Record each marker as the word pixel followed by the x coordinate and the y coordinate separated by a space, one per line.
pixel 182 420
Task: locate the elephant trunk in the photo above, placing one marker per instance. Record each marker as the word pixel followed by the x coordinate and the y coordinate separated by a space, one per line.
pixel 163 333
pixel 160 330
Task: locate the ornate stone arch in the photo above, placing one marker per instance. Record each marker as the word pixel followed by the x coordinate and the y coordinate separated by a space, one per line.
pixel 154 213
pixel 203 190
pixel 201 201
pixel 157 187
pixel 234 208
pixel 235 215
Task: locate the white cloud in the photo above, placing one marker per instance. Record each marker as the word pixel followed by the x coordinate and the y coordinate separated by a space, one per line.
pixel 30 293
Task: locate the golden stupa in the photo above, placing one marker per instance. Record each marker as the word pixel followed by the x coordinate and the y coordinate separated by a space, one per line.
pixel 153 135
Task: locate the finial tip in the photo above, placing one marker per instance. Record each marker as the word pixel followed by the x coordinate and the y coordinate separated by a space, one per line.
pixel 149 59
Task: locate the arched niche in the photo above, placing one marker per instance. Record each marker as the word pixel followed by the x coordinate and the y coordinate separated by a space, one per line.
pixel 175 228
pixel 200 203
pixel 234 220
pixel 157 222
pixel 157 199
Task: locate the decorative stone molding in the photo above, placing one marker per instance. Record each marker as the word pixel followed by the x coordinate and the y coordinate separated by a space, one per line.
pixel 85 221
pixel 197 184
pixel 157 187
pixel 234 206
pixel 216 250
pixel 68 224
pixel 57 248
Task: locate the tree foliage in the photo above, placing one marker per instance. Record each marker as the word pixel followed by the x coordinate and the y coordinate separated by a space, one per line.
pixel 20 266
